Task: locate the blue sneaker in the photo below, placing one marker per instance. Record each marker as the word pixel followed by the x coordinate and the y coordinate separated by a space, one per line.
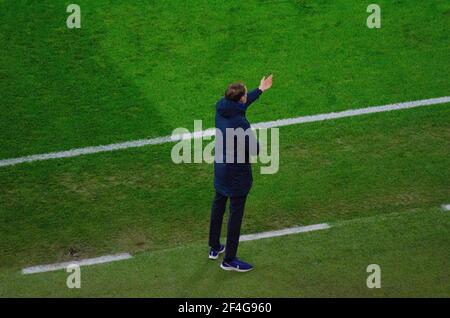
pixel 236 265
pixel 213 254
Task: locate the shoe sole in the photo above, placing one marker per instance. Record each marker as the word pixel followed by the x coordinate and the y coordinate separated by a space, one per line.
pixel 229 268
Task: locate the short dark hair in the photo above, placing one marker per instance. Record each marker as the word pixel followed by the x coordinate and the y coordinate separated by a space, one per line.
pixel 235 91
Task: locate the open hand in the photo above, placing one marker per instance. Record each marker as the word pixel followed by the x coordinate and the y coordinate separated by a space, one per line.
pixel 265 83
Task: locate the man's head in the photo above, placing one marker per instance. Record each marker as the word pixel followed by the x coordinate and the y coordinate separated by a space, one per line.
pixel 236 92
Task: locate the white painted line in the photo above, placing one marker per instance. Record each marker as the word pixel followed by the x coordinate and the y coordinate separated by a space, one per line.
pixel 446 207
pixel 353 112
pixel 211 131
pixel 292 230
pixel 124 256
pixel 84 262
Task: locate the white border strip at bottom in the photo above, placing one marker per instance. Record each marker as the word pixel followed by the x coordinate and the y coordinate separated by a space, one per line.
pixel 85 262
pixel 292 230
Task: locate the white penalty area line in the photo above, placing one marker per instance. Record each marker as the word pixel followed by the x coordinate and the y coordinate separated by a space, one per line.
pixel 211 131
pixel 84 262
pixel 124 256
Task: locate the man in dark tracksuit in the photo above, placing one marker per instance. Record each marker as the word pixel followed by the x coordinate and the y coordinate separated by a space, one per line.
pixel 232 180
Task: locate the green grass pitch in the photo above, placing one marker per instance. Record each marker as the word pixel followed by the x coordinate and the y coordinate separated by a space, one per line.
pixel 139 69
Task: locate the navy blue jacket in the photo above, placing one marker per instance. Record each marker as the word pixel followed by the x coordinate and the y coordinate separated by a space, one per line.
pixel 233 179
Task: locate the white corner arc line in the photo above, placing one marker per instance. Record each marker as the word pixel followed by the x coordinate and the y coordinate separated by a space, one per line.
pixel 446 207
pixel 288 231
pixel 84 262
pixel 211 131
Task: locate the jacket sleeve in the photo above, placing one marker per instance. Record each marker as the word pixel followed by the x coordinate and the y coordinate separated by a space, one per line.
pixel 251 97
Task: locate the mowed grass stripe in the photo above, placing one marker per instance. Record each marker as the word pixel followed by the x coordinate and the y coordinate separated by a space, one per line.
pixel 208 132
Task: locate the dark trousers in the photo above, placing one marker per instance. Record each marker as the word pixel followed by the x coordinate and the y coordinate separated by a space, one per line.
pixel 237 205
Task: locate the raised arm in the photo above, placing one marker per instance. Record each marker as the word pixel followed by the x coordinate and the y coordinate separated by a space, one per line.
pixel 252 96
pixel 264 85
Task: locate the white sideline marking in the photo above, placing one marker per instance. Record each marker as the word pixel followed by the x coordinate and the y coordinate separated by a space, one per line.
pixel 211 131
pixel 84 262
pixel 446 207
pixel 292 230
pixel 123 256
